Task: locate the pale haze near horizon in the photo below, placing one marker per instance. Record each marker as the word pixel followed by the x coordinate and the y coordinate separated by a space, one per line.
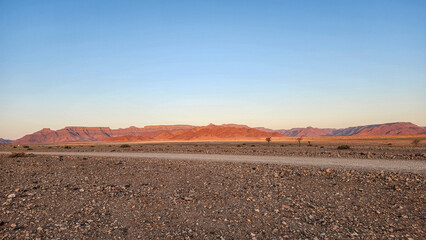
pixel 261 63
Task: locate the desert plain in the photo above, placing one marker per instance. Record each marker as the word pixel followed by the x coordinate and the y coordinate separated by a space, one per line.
pixel 90 197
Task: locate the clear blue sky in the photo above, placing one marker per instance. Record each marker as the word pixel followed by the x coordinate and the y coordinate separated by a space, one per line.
pixel 277 64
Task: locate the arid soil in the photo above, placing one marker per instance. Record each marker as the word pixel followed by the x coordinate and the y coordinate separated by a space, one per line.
pixel 49 197
pixel 366 151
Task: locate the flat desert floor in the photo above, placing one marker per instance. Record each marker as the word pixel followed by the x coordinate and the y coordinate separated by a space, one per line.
pixel 88 197
pixel 368 148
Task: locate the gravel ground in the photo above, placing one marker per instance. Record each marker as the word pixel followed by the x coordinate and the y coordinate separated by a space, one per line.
pixel 360 151
pixel 416 166
pixel 70 197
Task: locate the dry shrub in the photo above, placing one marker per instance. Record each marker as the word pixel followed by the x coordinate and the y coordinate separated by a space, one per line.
pixel 17 154
pixel 343 147
pixel 416 142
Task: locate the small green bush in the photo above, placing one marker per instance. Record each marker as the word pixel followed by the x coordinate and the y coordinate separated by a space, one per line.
pixel 125 146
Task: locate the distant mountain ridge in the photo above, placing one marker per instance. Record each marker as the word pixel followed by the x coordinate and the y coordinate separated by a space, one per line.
pixel 398 128
pixel 5 141
pixel 209 132
pixel 89 134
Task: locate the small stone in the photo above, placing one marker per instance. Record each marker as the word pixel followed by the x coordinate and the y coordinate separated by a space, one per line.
pixel 11 195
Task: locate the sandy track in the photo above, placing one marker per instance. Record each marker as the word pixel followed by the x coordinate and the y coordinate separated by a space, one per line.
pixel 368 164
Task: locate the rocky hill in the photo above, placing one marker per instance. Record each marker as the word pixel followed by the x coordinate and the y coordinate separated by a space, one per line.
pixel 5 141
pixel 308 132
pixel 210 132
pixel 90 134
pixel 226 131
pixel 398 128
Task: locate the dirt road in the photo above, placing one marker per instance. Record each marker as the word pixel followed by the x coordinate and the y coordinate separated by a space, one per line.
pixel 368 164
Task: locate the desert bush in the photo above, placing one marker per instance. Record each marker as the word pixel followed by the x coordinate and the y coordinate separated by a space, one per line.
pixel 299 140
pixel 343 147
pixel 238 145
pixel 415 142
pixel 268 140
pixel 67 147
pixel 26 146
pixel 15 155
pixel 125 146
pixel 29 149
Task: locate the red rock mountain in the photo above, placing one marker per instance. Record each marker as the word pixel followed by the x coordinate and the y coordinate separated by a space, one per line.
pixel 308 132
pixel 217 132
pixel 68 134
pixel 398 128
pixel 127 138
pixel 265 129
pixel 210 132
pixel 89 134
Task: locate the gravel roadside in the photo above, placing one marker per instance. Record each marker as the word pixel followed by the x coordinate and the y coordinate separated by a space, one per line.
pixel 367 164
pixel 76 197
